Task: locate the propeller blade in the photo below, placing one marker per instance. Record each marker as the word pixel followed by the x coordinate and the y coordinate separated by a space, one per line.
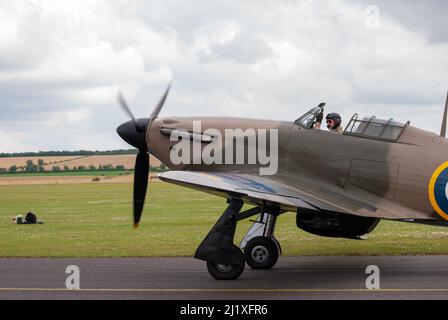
pixel 124 105
pixel 141 174
pixel 443 129
pixel 158 108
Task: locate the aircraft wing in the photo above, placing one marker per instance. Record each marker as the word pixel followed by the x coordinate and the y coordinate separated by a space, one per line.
pixel 241 185
pixel 255 189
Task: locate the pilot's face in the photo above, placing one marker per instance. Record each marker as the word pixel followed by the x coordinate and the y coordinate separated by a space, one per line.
pixel 330 124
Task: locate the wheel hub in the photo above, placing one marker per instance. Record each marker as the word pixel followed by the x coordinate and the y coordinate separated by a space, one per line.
pixel 260 253
pixel 224 267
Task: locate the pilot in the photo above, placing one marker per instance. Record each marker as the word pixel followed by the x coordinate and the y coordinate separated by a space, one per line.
pixel 333 122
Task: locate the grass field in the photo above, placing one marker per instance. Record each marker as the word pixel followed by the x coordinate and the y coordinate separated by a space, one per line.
pixel 94 220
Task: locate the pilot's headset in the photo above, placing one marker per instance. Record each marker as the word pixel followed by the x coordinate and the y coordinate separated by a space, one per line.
pixel 336 117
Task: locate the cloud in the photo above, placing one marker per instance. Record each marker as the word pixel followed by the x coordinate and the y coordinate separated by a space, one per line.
pixel 61 63
pixel 226 41
pixel 11 141
pixel 426 18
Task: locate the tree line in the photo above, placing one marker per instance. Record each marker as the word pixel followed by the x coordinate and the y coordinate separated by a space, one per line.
pixel 31 167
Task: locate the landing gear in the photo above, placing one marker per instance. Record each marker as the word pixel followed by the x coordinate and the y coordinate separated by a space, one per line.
pixel 261 249
pixel 225 261
pixel 261 253
pixel 226 271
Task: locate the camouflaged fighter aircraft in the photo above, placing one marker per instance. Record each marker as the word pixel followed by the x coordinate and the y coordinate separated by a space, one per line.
pixel 339 185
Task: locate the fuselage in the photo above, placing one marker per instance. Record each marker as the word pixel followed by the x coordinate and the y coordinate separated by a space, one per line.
pixel 397 174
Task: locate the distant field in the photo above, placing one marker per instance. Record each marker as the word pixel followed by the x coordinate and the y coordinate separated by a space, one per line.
pixel 68 174
pixel 94 220
pixel 21 161
pixel 60 178
pixel 128 161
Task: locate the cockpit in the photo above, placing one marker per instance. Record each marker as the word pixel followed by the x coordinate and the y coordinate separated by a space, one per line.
pixel 308 120
pixel 365 127
pixel 374 128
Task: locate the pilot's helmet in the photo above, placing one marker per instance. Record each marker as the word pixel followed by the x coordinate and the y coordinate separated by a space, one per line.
pixel 336 117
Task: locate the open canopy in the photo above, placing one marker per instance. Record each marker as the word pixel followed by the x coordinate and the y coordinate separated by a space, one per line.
pixel 366 127
pixel 373 128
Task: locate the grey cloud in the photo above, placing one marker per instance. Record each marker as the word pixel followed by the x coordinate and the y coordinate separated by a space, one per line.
pixel 282 58
pixel 427 17
pixel 390 97
pixel 243 48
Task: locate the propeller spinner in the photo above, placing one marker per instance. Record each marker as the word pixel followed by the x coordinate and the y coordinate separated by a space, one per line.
pixel 134 133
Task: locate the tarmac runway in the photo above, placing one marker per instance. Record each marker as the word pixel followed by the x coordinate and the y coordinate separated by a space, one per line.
pixel 401 277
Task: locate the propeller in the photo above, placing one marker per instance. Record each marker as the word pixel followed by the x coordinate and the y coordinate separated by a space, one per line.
pixel 124 105
pixel 134 133
pixel 443 129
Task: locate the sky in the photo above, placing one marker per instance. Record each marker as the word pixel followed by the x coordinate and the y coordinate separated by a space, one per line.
pixel 62 63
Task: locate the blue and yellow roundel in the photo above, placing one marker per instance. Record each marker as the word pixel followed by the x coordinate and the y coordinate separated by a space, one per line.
pixel 438 190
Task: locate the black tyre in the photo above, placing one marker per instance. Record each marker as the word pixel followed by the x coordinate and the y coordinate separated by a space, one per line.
pixel 261 253
pixel 278 245
pixel 226 272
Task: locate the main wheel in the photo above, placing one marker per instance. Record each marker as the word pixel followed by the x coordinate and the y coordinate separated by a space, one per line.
pixel 261 253
pixel 278 245
pixel 227 272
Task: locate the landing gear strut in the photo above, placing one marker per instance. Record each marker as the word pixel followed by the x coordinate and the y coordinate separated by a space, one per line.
pixel 261 249
pixel 225 261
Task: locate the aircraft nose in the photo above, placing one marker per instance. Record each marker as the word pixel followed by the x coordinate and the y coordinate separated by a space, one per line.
pixel 129 133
